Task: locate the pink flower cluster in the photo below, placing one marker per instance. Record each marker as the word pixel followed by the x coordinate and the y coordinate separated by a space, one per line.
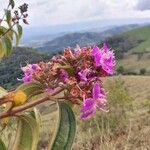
pixel 80 70
pixel 28 71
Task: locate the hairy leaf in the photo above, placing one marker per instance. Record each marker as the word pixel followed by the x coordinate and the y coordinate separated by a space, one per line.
pixel 66 128
pixel 7 45
pixel 8 17
pixel 19 28
pixel 17 37
pixel 2 145
pixel 2 52
pixel 2 30
pixel 28 132
pixel 5 41
pixel 31 89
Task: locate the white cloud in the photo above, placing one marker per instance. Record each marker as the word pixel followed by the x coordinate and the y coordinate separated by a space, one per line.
pixel 51 12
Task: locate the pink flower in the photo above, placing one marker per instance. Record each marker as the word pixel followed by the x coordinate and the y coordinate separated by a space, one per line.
pixel 108 62
pixel 105 47
pixel 28 72
pixel 77 51
pixel 30 68
pixel 105 58
pixel 98 100
pixel 97 53
pixel 83 74
pixel 35 67
pixel 27 78
pixel 64 74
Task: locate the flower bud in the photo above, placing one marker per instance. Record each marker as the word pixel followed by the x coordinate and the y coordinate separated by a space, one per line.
pixel 19 98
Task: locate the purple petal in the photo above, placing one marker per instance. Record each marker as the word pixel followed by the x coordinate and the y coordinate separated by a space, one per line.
pixel 88 104
pixel 97 58
pixel 63 74
pixel 102 104
pixel 108 62
pixel 26 68
pixel 35 67
pixel 88 114
pixel 77 50
pixel 105 47
pixel 27 79
pixel 83 74
pixel 96 91
pixel 95 50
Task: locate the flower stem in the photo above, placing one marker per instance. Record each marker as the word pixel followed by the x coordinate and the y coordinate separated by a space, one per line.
pixel 30 104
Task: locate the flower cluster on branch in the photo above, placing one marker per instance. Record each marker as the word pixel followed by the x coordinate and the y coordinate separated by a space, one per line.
pixel 80 70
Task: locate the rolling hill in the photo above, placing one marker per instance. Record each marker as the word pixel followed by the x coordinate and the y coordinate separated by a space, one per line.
pixel 82 38
pixel 133 49
pixel 136 41
pixel 143 34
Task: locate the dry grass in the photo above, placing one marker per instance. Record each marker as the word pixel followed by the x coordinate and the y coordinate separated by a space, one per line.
pixel 125 127
pixel 131 62
pixel 117 130
pixel 138 86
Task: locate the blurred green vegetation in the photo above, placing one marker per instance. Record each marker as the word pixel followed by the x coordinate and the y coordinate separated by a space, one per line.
pixel 10 67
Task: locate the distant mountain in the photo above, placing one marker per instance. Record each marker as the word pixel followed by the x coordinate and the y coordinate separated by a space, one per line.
pixel 30 32
pixel 40 39
pixel 71 40
pixel 83 38
pixel 37 41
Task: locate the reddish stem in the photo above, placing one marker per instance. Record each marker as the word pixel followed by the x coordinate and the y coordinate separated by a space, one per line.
pixel 30 104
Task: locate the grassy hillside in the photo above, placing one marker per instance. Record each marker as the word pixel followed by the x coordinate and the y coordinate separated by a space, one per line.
pixel 133 63
pixel 142 33
pixel 132 49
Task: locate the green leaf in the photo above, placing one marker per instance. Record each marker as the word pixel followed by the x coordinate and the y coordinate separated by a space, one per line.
pixel 2 51
pixel 19 28
pixel 5 42
pixel 2 30
pixel 28 132
pixel 7 45
pixel 3 92
pixel 17 37
pixel 31 89
pixel 8 17
pixel 10 34
pixel 2 145
pixel 3 33
pixel 12 3
pixel 65 134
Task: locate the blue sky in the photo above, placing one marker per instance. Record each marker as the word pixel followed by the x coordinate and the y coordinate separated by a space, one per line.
pixel 57 12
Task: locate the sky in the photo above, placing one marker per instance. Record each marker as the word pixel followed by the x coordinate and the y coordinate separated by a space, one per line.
pixel 57 12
